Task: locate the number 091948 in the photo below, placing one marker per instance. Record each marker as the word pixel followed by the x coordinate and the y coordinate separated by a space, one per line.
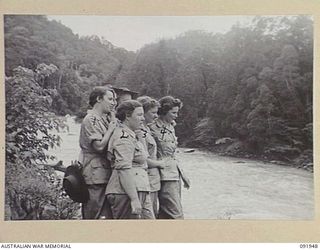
pixel 308 245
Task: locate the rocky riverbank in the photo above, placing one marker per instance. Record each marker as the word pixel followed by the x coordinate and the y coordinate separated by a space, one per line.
pixel 281 155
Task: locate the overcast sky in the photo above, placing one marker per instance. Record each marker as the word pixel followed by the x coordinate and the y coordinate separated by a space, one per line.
pixel 132 32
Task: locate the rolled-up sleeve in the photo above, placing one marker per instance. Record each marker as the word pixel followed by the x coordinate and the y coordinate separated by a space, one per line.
pixel 123 150
pixel 92 130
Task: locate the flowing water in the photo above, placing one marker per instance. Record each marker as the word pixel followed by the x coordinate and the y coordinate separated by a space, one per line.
pixel 226 187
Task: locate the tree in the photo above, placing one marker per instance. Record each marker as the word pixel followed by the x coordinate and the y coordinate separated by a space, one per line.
pixel 30 187
pixel 32 40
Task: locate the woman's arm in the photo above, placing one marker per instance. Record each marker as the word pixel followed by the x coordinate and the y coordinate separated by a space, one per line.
pixel 127 182
pixel 124 152
pixel 156 163
pixel 101 145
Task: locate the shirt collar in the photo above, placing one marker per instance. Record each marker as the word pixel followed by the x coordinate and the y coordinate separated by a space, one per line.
pixel 146 127
pixel 94 113
pixel 160 123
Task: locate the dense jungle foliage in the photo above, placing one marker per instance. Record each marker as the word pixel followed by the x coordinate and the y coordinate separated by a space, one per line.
pixel 252 84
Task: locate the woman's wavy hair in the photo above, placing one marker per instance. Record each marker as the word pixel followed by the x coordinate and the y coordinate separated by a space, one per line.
pixel 148 103
pixel 126 108
pixel 99 91
pixel 167 103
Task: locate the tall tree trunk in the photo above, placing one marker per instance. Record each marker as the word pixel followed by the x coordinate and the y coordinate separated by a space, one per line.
pixel 60 79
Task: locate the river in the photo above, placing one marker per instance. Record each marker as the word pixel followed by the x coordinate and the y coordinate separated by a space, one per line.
pixel 227 187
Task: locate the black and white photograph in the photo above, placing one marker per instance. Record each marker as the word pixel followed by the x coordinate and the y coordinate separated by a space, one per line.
pixel 159 117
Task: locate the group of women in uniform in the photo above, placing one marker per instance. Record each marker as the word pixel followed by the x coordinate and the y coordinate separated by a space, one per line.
pixel 128 158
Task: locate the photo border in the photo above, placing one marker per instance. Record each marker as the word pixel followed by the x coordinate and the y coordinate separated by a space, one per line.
pixel 164 230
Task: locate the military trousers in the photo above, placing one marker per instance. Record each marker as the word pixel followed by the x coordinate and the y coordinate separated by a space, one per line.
pixel 121 206
pixel 97 206
pixel 170 206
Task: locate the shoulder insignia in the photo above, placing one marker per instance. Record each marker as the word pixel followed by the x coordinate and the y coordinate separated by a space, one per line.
pixel 144 133
pixel 163 131
pixel 124 135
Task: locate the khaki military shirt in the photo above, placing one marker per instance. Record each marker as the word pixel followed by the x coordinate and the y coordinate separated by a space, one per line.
pixel 167 142
pixel 151 147
pixel 96 166
pixel 127 154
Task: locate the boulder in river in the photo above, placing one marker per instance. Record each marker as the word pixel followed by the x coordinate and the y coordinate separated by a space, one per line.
pixel 191 150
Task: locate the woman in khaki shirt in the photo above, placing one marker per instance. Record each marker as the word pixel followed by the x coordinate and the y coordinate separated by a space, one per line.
pixel 128 190
pixel 94 136
pixel 171 175
pixel 150 107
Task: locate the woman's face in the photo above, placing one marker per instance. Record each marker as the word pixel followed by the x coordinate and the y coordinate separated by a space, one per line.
pixel 108 102
pixel 135 121
pixel 171 115
pixel 151 115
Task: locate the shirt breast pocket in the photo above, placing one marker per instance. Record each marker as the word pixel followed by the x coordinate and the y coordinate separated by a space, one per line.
pixel 139 155
pixel 99 163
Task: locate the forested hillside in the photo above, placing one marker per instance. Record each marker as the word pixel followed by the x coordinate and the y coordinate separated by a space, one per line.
pixel 252 84
pixel 82 62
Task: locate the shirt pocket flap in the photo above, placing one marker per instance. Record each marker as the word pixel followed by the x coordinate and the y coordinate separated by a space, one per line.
pixel 98 163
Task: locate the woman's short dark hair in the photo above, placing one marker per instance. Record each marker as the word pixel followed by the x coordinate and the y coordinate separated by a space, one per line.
pixel 99 91
pixel 167 103
pixel 126 108
pixel 148 103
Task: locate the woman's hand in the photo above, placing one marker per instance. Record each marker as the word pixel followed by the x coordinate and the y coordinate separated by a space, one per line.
pixel 112 125
pixel 113 121
pixel 163 163
pixel 139 134
pixel 136 207
pixel 113 116
pixel 186 182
